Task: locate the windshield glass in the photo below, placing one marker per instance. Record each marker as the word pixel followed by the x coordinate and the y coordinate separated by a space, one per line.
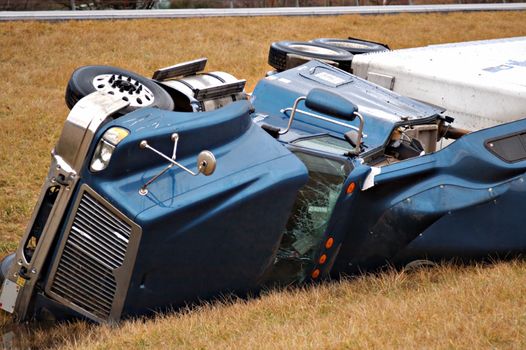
pixel 309 218
pixel 325 143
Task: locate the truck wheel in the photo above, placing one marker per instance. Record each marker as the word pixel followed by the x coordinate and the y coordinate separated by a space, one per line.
pixel 138 90
pixel 419 264
pixel 354 46
pixel 277 55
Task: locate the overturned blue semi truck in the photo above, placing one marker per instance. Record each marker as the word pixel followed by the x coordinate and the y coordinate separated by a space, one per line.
pixel 317 173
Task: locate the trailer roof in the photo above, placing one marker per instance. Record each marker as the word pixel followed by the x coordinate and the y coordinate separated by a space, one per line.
pixel 481 79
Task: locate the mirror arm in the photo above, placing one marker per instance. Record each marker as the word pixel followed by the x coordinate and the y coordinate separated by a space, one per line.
pixel 292 114
pixel 357 149
pixel 175 137
pixel 143 191
pixel 144 144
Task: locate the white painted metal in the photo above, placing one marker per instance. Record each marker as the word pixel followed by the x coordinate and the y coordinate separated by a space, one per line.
pixel 480 83
pixel 9 295
pixel 252 12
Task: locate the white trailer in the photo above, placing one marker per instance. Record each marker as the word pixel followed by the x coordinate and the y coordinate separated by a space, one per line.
pixel 480 83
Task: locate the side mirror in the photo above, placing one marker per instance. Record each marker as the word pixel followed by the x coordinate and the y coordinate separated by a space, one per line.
pixel 327 102
pixel 206 163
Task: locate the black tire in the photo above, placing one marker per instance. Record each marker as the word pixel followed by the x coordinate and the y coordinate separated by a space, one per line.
pixel 419 264
pixel 81 84
pixel 277 55
pixel 354 46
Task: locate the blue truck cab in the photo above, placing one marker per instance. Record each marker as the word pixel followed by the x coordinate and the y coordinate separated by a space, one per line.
pixel 318 174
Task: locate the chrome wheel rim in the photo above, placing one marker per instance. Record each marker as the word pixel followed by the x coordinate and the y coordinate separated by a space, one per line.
pixel 127 88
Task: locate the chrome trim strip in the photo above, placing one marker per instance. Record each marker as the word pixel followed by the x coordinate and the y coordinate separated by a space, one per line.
pixel 79 129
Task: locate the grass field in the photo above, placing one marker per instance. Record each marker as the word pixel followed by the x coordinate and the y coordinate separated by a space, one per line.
pixel 449 307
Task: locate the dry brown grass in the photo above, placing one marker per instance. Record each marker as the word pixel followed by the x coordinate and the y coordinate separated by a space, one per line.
pixel 475 306
pixel 448 307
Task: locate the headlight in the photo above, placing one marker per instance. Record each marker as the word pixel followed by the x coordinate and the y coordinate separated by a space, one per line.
pixel 106 146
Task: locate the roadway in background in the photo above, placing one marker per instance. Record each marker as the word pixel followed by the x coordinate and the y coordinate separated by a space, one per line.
pixel 252 12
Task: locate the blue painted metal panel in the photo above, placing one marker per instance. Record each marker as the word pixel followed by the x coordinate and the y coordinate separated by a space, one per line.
pixel 209 241
pixel 462 201
pixel 237 143
pixel 381 108
pixel 205 234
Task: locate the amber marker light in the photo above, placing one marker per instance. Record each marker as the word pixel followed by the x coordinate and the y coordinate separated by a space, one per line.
pixel 315 274
pixel 323 259
pixel 329 243
pixel 351 188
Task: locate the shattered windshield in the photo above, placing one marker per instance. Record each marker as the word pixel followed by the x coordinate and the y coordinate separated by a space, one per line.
pixel 309 218
pixel 325 143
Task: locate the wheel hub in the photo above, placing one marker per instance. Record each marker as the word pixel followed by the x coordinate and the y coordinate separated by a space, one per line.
pixel 123 85
pixel 127 88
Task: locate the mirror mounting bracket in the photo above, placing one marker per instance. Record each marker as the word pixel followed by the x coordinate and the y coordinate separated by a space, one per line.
pixel 206 162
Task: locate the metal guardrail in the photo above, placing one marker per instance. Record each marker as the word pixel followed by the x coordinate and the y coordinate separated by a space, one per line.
pixel 253 12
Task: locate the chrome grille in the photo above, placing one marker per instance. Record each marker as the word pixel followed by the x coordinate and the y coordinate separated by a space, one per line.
pixel 95 247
